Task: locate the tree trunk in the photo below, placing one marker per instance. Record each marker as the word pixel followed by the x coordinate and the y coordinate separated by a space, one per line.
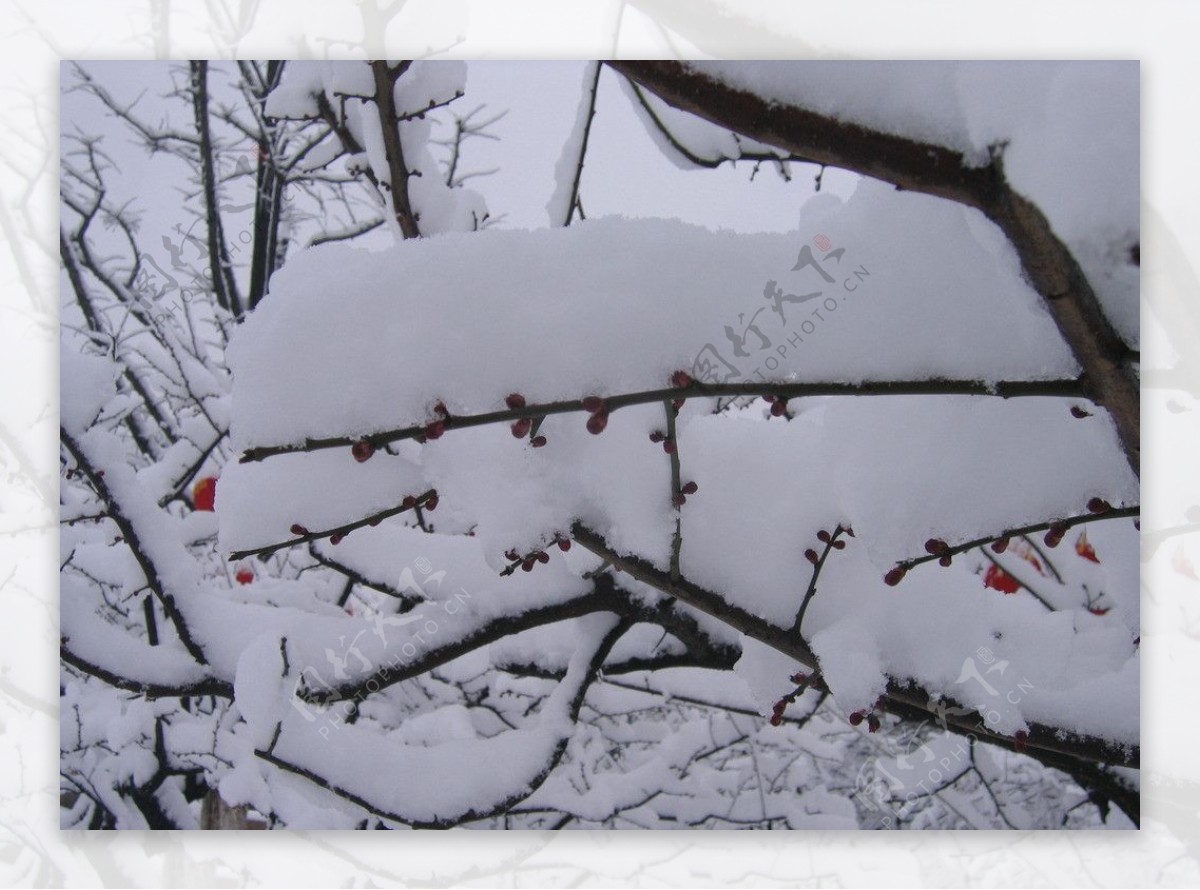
pixel 216 815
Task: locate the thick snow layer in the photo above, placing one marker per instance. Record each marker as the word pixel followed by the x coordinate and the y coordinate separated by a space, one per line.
pixel 766 487
pixel 554 316
pixel 409 778
pixel 616 305
pixel 919 100
pixel 98 642
pixel 88 382
pixel 1069 130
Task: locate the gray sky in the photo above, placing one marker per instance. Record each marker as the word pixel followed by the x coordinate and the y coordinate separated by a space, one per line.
pixel 625 173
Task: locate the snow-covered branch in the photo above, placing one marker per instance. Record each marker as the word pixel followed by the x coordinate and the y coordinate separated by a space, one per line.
pixel 1049 738
pixel 924 166
pixel 407 784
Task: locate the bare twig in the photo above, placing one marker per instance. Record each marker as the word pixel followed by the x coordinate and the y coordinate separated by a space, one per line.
pixel 338 532
pixel 830 545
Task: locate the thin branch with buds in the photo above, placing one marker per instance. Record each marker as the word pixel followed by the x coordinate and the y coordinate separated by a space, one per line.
pixel 1049 525
pixel 1004 390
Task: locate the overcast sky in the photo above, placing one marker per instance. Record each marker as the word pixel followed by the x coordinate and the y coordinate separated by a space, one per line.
pixel 626 173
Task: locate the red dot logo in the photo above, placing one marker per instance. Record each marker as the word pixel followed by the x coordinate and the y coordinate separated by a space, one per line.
pixel 822 242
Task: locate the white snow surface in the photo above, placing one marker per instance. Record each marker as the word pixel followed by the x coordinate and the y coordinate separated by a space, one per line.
pixel 1070 134
pixel 88 382
pixel 1071 127
pixel 561 319
pixel 617 305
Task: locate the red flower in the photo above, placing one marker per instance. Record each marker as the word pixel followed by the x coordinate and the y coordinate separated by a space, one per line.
pixel 998 579
pixel 204 494
pixel 1084 548
pixel 244 576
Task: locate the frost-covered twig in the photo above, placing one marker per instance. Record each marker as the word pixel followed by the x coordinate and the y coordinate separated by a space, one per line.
pixel 465 127
pixel 166 598
pixel 224 284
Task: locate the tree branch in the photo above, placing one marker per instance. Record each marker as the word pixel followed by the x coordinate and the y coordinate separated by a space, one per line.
pixel 406 602
pixel 580 677
pixel 677 496
pixel 339 532
pixel 1041 738
pixel 577 174
pixel 1004 389
pixel 934 170
pixel 601 598
pixel 389 121
pixel 208 686
pixel 830 544
pixel 1064 524
pixel 96 478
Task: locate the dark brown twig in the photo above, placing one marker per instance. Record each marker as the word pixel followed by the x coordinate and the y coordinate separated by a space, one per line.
pixel 1005 389
pixel 339 532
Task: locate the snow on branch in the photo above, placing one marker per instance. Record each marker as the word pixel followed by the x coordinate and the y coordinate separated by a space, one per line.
pixel 115 485
pixel 481 471
pixel 425 787
pixel 568 172
pixel 1037 737
pixel 925 166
